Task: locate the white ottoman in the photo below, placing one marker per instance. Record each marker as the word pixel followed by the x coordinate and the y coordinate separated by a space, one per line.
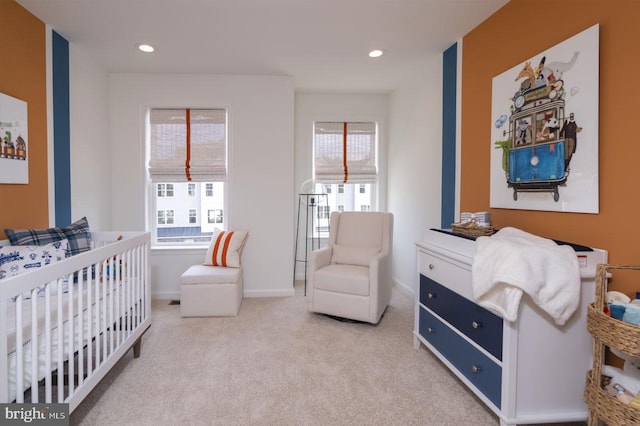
pixel 210 291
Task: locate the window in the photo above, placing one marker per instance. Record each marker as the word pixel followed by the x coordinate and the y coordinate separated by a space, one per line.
pixel 215 216
pixel 323 212
pixel 165 190
pixel 187 164
pixel 345 163
pixel 365 208
pixel 165 217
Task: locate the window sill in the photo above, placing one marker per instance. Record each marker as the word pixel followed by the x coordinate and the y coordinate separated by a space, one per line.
pixel 176 248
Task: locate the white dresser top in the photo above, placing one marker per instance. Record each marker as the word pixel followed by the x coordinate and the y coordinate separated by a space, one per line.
pixel 463 249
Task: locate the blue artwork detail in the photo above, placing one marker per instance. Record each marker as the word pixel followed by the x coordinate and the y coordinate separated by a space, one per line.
pixel 536 163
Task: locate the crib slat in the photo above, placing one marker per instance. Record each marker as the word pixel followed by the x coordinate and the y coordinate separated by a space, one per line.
pixel 19 352
pixel 129 283
pixel 111 313
pixel 117 279
pixel 47 342
pixel 140 307
pixel 97 323
pixel 35 365
pixel 105 316
pixel 92 280
pixel 60 347
pixel 4 361
pixel 71 334
pixel 81 329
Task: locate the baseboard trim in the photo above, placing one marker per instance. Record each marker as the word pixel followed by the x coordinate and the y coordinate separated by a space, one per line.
pixel 165 295
pixel 269 293
pixel 172 295
pixel 403 287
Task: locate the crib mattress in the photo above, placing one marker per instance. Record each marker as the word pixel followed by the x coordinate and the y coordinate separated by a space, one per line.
pixel 77 328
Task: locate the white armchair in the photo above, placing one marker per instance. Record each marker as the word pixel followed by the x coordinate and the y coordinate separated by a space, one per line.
pixel 351 277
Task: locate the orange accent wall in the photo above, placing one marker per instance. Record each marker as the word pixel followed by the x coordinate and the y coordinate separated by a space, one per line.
pixel 518 31
pixel 23 76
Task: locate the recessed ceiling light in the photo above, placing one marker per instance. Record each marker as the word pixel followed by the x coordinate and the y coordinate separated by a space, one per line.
pixel 147 48
pixel 375 53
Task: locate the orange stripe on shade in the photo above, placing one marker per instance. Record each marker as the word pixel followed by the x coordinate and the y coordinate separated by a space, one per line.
pixel 344 152
pixel 214 255
pixel 187 162
pixel 227 241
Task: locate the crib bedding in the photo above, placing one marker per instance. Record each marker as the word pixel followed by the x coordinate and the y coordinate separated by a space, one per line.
pixel 128 305
pixel 101 318
pixel 99 308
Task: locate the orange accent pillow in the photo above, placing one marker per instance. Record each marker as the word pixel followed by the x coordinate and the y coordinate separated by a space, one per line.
pixel 226 248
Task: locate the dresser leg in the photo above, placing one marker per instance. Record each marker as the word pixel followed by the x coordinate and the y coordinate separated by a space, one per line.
pixel 416 342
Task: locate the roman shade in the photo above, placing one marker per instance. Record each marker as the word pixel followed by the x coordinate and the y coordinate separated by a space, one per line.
pixel 345 152
pixel 187 145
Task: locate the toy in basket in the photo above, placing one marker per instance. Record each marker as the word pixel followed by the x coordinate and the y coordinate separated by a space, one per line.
pixel 472 229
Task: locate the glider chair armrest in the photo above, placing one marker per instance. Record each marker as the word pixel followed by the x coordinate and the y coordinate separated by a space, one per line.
pixel 319 259
pixel 381 284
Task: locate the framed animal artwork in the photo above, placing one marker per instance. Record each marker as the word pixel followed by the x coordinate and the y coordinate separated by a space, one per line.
pixel 14 158
pixel 544 130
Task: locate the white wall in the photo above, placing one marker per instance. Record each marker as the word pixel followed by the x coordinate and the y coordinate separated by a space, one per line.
pixel 310 107
pixel 90 130
pixel 415 165
pixel 261 169
pixel 107 153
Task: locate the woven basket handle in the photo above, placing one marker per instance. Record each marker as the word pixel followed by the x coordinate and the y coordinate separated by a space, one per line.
pixel 601 280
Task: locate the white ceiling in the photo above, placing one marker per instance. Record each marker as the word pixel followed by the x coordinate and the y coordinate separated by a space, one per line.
pixel 323 44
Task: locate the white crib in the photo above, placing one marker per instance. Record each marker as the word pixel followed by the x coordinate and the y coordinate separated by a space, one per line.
pixel 65 325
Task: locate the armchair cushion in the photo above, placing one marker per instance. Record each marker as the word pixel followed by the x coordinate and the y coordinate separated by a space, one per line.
pixel 346 279
pixel 353 255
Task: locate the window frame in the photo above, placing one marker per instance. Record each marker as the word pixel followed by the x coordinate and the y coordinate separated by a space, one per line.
pixel 378 189
pixel 151 199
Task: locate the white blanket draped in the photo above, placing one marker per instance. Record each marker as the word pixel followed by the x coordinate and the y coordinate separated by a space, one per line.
pixel 513 261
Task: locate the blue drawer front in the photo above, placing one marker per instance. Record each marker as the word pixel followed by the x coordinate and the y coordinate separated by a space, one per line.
pixel 477 323
pixel 487 376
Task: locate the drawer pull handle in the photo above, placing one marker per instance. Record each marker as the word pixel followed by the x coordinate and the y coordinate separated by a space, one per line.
pixel 431 295
pixel 431 266
pixel 476 324
pixel 430 330
pixel 475 369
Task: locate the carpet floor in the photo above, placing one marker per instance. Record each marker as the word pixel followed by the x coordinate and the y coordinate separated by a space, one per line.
pixel 278 364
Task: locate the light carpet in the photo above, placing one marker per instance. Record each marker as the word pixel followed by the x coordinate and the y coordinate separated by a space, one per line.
pixel 278 364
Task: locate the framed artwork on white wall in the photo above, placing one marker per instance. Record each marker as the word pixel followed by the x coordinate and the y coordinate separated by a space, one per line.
pixel 544 130
pixel 14 158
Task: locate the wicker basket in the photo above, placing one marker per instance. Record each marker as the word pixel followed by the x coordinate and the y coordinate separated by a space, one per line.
pixel 616 334
pixel 610 331
pixel 470 229
pixel 606 407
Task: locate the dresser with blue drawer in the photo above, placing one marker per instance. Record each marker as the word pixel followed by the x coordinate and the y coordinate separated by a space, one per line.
pixel 527 371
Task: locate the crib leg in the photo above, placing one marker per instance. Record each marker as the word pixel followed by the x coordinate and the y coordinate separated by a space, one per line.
pixel 136 348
